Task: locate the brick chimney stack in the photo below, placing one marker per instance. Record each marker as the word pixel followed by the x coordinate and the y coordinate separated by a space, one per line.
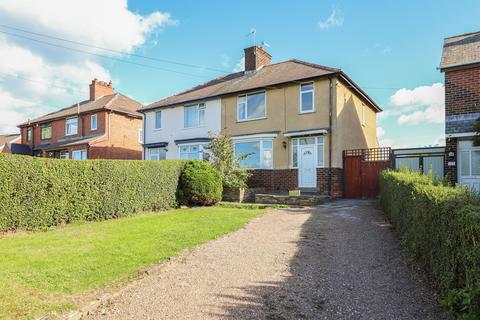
pixel 256 57
pixel 99 89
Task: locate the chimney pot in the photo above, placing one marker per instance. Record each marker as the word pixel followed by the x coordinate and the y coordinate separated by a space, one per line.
pixel 256 57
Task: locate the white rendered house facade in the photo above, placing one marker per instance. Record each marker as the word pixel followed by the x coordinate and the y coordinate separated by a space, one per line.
pixel 180 132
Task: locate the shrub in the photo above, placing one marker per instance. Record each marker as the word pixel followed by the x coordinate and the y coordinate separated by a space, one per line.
pixel 37 193
pixel 440 227
pixel 225 161
pixel 201 183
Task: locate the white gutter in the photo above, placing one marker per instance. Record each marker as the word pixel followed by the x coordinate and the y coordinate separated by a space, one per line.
pixel 461 135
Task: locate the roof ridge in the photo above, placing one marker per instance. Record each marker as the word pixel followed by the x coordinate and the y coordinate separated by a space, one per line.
pixel 315 65
pixel 115 97
pixel 462 35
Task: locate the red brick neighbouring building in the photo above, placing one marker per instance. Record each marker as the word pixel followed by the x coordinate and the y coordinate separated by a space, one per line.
pixel 461 65
pixel 107 126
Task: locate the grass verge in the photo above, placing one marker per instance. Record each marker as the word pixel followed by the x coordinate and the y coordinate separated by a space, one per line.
pixel 46 272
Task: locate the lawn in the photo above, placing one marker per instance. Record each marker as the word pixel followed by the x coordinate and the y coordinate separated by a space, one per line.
pixel 50 272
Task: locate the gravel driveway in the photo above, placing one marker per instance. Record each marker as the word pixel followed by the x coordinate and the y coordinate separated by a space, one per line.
pixel 337 261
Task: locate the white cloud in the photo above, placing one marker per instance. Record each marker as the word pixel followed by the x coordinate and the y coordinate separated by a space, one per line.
pixel 334 20
pixel 380 132
pixel 225 60
pixel 37 79
pixel 424 104
pixel 240 66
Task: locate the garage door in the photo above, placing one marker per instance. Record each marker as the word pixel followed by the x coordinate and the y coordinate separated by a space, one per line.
pixel 469 165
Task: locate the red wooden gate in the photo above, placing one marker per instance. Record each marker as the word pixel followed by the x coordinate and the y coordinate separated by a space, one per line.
pixel 361 168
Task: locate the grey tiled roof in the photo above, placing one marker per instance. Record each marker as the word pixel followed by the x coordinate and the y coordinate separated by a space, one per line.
pixel 461 50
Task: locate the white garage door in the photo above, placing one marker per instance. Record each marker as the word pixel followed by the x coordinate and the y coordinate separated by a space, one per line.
pixel 469 165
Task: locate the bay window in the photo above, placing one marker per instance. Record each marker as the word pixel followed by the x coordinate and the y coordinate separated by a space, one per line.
pixel 194 116
pixel 192 151
pixel 251 106
pixel 306 97
pixel 158 153
pixel 71 126
pixel 257 154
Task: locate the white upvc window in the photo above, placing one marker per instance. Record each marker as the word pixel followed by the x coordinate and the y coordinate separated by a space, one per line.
pixel 64 154
pixel 93 122
pixel 158 120
pixel 79 155
pixel 307 97
pixel 157 153
pixel 140 136
pixel 470 163
pixel 256 154
pixel 191 151
pixel 318 142
pixel 194 116
pixel 251 106
pixel 71 126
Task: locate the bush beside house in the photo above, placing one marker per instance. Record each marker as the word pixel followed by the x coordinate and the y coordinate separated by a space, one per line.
pixel 37 193
pixel 201 184
pixel 440 226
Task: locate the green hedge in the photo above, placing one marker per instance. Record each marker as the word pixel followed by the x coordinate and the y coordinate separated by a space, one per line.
pixel 36 192
pixel 440 226
pixel 201 184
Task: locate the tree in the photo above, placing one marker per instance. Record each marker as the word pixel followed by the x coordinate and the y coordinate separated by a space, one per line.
pixel 224 160
pixel 476 138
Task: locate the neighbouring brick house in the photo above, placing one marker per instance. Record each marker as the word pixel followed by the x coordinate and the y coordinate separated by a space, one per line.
pixel 107 126
pixel 6 141
pixel 461 65
pixel 293 119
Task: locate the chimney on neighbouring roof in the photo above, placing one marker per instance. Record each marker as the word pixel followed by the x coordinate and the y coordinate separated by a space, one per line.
pixel 256 57
pixel 99 89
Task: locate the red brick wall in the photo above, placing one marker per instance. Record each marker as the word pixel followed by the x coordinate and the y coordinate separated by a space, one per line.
pixel 255 57
pixel 287 179
pixel 122 142
pixel 462 91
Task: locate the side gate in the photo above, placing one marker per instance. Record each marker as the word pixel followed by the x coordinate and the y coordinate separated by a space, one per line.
pixel 361 168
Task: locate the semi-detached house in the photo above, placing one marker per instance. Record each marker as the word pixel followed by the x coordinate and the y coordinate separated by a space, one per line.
pixel 293 119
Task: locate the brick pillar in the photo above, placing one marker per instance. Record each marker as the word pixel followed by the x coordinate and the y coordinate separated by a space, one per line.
pixel 451 171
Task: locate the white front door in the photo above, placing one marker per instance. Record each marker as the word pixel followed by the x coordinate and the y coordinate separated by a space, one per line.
pixel 469 165
pixel 307 170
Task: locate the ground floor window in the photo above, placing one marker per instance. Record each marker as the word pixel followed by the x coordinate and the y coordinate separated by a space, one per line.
pixel 318 142
pixel 79 155
pixel 255 154
pixel 192 151
pixel 470 163
pixel 64 154
pixel 158 153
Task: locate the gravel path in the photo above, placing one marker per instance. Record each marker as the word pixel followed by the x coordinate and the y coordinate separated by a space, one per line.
pixel 337 261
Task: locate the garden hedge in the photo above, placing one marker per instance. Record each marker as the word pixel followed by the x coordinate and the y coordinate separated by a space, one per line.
pixel 440 226
pixel 36 192
pixel 201 184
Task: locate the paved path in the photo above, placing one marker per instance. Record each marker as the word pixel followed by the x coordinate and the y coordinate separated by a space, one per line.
pixel 338 261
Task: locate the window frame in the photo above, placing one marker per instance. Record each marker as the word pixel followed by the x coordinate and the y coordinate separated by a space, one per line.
pixel 201 150
pixel 246 106
pixel 29 134
pixel 82 151
pixel 64 155
pixel 470 168
pixel 261 151
pixel 200 108
pixel 155 118
pixel 316 144
pixel 66 126
pixel 140 136
pixel 307 91
pixel 156 148
pixel 94 116
pixel 45 127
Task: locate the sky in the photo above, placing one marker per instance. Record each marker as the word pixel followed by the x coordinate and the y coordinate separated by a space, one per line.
pixel 390 48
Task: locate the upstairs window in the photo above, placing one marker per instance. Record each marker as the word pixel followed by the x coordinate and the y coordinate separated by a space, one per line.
pixel 251 106
pixel 194 116
pixel 46 132
pixel 29 134
pixel 71 126
pixel 306 97
pixel 93 122
pixel 158 120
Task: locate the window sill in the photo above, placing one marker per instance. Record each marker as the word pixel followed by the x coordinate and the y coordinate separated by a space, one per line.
pixel 247 120
pixel 70 134
pixel 306 112
pixel 188 128
pixel 157 129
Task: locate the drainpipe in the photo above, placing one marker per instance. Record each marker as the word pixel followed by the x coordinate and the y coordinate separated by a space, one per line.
pixel 330 111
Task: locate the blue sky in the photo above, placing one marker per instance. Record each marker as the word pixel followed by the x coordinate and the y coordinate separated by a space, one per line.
pixel 383 45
